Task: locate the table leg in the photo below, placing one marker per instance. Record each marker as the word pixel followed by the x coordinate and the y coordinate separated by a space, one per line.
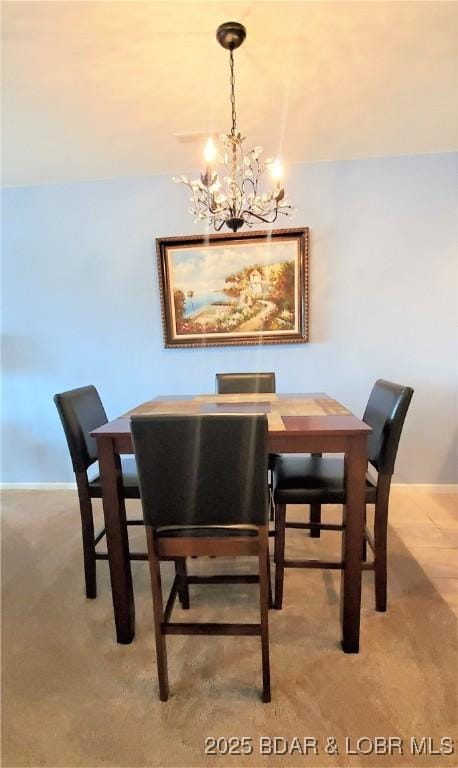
pixel 114 511
pixel 350 593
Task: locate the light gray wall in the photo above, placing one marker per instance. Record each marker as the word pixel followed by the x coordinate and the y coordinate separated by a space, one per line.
pixel 81 304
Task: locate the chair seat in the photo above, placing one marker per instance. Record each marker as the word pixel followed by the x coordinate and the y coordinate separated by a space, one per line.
pixel 302 479
pixel 207 531
pixel 129 478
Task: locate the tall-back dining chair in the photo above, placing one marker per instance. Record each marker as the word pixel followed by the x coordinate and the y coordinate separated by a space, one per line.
pixel 313 480
pixel 236 383
pixel 80 412
pixel 248 383
pixel 241 383
pixel 211 499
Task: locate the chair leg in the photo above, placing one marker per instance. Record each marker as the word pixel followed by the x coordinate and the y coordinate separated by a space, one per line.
pixel 269 577
pixel 87 530
pixel 182 573
pixel 271 505
pixel 264 572
pixel 158 611
pixel 315 517
pixel 364 544
pixel 380 543
pixel 280 518
pixel 90 573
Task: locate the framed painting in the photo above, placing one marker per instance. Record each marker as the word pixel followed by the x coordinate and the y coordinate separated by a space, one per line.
pixel 234 289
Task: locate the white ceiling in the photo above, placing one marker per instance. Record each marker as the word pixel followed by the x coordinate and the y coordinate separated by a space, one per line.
pixel 98 89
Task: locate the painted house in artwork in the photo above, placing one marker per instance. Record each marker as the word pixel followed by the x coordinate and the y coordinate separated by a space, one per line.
pixel 255 282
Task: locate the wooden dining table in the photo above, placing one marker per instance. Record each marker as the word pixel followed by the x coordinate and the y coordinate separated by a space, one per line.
pixel 297 423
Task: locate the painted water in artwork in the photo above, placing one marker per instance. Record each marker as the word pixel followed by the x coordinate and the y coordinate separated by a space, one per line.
pixel 235 289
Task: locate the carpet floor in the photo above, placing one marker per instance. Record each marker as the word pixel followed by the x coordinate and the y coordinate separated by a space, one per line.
pixel 73 697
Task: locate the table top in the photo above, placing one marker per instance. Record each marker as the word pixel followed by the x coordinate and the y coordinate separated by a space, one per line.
pixel 312 413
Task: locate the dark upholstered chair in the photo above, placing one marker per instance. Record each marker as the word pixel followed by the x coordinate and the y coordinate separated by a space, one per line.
pixel 246 383
pixel 311 480
pixel 236 383
pixel 81 411
pixel 203 490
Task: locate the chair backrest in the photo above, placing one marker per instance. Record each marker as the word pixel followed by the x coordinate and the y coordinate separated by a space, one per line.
pixel 80 412
pixel 202 469
pixel 235 383
pixel 385 413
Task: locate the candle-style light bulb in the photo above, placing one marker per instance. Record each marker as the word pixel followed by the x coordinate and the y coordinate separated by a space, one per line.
pixel 210 151
pixel 276 170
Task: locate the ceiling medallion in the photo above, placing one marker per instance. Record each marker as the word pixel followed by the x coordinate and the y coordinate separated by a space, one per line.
pixel 233 197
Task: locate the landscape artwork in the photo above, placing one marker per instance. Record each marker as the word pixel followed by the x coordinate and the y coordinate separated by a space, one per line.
pixel 234 289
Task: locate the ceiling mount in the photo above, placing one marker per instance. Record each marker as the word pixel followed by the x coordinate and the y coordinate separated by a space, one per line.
pixel 231 35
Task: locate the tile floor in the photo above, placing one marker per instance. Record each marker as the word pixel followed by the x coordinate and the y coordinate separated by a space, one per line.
pixel 427 522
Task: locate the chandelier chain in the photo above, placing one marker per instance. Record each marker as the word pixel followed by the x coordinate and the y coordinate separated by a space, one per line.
pixel 232 81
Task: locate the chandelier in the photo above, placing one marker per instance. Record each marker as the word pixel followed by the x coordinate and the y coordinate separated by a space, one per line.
pixel 234 197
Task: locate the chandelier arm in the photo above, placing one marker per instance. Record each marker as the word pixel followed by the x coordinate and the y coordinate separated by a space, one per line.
pixel 261 168
pixel 237 193
pixel 190 186
pixel 231 208
pixel 242 174
pixel 200 204
pixel 258 173
pixel 261 218
pixel 247 179
pixel 197 196
pixel 241 198
pixel 210 203
pixel 195 200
